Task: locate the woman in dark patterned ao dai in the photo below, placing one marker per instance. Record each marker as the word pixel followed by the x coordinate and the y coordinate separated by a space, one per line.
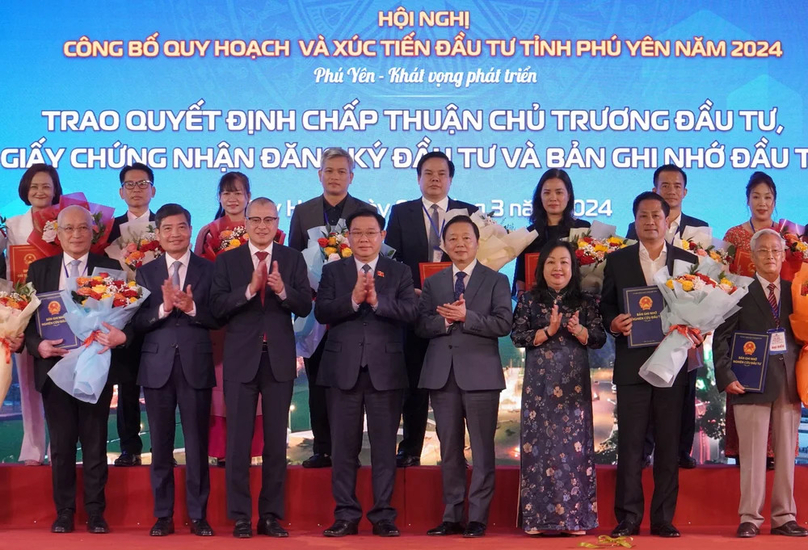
pixel 556 322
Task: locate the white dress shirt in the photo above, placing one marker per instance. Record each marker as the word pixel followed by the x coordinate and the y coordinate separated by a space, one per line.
pixel 673 229
pixel 443 206
pixel 256 261
pixel 133 218
pixel 65 272
pixel 765 284
pixel 359 271
pixel 649 266
pixel 185 259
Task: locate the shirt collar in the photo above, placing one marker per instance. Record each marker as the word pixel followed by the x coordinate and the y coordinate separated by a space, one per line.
pixel 67 258
pixel 467 271
pixel 185 259
pixel 371 263
pixel 443 203
pixel 765 283
pixel 254 249
pixel 131 217
pixel 662 255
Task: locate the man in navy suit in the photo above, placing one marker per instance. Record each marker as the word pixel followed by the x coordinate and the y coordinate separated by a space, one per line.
pixel 414 232
pixel 256 289
pixel 137 191
pixel 670 182
pixel 367 300
pixel 176 367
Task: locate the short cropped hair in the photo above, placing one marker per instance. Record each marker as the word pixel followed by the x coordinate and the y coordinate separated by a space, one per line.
pixel 136 166
pixel 337 152
pixel 669 168
pixel 651 196
pixel 756 237
pixel 366 213
pixel 436 155
pixel 170 209
pixel 461 219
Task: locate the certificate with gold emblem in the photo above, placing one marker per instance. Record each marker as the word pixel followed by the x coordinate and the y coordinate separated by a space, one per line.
pixel 644 304
pixel 19 258
pixel 50 320
pixel 749 357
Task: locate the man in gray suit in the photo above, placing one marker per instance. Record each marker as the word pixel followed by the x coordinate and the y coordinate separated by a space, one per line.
pixel 367 300
pixel 765 309
pixel 336 174
pixel 463 310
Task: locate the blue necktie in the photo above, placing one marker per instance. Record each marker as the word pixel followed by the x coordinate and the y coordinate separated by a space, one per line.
pixel 460 286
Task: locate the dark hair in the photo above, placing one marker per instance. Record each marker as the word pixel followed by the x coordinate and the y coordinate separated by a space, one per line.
pixel 650 196
pixel 541 292
pixel 170 209
pixel 756 179
pixel 366 213
pixel 25 182
pixel 461 219
pixel 436 155
pixel 229 182
pixel 538 216
pixel 136 166
pixel 669 168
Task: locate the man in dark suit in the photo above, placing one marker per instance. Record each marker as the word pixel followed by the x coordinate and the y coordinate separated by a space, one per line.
pixel 336 174
pixel 176 367
pixel 137 191
pixel 70 420
pixel 367 300
pixel 463 311
pixel 765 309
pixel 670 182
pixel 414 232
pixel 638 401
pixel 256 289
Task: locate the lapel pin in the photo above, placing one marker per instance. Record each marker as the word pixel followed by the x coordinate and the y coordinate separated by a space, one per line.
pixel 380 273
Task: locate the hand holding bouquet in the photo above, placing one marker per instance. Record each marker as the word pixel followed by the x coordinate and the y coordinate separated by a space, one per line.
pixel 18 303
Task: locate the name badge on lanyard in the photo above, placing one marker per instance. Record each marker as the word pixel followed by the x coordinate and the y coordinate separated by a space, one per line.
pixel 777 341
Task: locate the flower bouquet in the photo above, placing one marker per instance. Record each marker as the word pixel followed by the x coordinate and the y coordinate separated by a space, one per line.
pixel 105 297
pixel 593 245
pixel 700 241
pixel 799 324
pixel 137 246
pixel 18 303
pixel 697 300
pixel 224 234
pixel 44 237
pixel 796 248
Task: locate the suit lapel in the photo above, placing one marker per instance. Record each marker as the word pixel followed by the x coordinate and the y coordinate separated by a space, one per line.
pixel 445 292
pixel 53 272
pixel 635 268
pixel 244 261
pixel 382 273
pixel 416 219
pixel 759 296
pixel 475 282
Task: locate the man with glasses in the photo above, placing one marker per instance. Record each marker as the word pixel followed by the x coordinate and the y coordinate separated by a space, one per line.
pixel 137 191
pixel 367 300
pixel 336 174
pixel 70 420
pixel 256 289
pixel 765 310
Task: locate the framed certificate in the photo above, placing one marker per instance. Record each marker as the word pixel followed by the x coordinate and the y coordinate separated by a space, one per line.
pixel 644 304
pixel 19 258
pixel 749 358
pixel 50 320
pixel 531 263
pixel 427 269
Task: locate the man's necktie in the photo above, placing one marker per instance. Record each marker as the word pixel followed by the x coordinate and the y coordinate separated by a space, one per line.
pixel 434 238
pixel 175 276
pixel 262 255
pixel 365 270
pixel 460 286
pixel 773 304
pixel 74 268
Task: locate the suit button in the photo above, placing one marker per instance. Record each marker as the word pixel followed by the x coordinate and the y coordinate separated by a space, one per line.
pixel 176 346
pixel 450 346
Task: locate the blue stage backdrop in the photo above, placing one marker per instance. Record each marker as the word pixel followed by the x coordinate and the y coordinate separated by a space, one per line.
pixel 606 90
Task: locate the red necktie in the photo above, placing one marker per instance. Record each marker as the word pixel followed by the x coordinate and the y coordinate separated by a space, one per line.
pixel 262 255
pixel 773 304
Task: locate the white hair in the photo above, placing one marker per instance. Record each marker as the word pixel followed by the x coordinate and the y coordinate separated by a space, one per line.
pixel 757 236
pixel 74 208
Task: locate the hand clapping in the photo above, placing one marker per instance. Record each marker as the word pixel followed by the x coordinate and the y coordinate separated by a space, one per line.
pixel 175 297
pixel 365 289
pixel 274 279
pixel 454 312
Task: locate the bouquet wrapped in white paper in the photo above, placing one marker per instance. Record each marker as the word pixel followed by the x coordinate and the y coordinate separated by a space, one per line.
pixel 700 241
pixel 696 301
pixel 497 245
pixel 18 304
pixel 593 244
pixel 137 246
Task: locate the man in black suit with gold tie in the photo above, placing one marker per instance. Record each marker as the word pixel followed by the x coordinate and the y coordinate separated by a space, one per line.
pixel 637 400
pixel 256 289
pixel 70 420
pixel 414 232
pixel 176 367
pixel 367 300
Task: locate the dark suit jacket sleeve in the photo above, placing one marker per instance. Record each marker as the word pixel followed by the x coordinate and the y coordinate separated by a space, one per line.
pixel 297 237
pixel 224 299
pixel 32 337
pixel 404 306
pixel 608 300
pixel 429 324
pixel 395 234
pixel 498 322
pixel 147 317
pixel 721 343
pixel 330 307
pixel 298 290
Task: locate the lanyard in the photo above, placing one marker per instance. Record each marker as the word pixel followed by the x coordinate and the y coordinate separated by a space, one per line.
pixel 429 217
pixel 752 225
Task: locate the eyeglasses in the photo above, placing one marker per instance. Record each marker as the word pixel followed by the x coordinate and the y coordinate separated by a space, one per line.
pixel 142 184
pixel 362 234
pixel 766 252
pixel 69 229
pixel 268 220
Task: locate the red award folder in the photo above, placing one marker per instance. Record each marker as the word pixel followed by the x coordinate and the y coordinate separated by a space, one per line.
pixel 531 263
pixel 427 269
pixel 19 258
